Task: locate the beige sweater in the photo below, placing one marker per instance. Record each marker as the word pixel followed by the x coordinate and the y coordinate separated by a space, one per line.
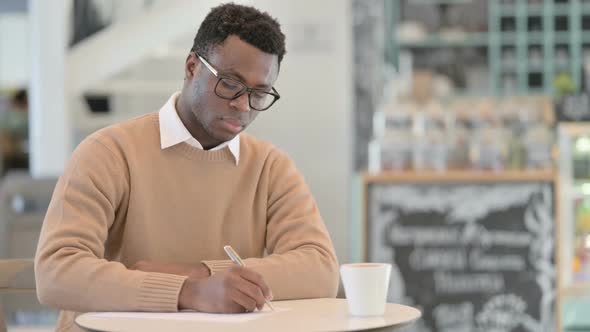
pixel 123 199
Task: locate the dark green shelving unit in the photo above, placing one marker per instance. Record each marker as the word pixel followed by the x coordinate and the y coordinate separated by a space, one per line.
pixel 553 27
pixel 542 38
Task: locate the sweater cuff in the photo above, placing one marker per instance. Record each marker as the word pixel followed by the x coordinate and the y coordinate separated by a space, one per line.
pixel 160 291
pixel 217 266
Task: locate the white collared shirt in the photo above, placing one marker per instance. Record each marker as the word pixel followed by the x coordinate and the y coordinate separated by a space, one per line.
pixel 173 131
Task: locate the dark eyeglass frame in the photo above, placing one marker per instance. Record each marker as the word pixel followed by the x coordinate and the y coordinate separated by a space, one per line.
pixel 245 88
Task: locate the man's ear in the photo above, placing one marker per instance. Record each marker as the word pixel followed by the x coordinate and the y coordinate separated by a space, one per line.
pixel 191 65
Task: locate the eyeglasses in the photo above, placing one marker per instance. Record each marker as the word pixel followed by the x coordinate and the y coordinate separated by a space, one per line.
pixel 227 88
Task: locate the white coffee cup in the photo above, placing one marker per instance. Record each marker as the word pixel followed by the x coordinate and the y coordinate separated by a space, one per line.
pixel 365 286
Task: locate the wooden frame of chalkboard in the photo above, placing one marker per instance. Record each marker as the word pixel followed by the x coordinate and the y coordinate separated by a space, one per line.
pixel 469 248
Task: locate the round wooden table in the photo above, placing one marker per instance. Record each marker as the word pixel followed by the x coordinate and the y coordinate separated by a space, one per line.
pixel 294 315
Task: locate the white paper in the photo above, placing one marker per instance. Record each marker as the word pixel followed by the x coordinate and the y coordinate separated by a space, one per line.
pixel 192 315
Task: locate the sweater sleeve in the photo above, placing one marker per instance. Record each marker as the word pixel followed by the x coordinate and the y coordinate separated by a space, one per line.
pixel 301 261
pixel 70 269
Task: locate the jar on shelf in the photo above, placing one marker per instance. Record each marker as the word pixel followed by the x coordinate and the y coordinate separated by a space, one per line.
pixel 488 146
pixel 391 146
pixel 538 144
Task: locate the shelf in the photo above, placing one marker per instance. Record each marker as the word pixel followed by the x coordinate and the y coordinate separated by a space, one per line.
pixel 509 68
pixel 529 68
pixel 441 2
pixel 507 10
pixel 562 37
pixel 508 37
pixel 510 10
pixel 536 91
pixel 535 10
pixel 559 9
pixel 562 68
pixel 538 37
pixel 535 37
pixel 536 68
pixel 461 176
pixel 469 39
pixel 464 93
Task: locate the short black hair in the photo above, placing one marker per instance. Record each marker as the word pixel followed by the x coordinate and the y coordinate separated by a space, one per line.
pixel 256 28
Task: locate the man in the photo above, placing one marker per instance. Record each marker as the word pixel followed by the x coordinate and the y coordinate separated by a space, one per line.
pixel 139 219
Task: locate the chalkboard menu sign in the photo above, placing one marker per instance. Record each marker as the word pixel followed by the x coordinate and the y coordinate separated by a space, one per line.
pixel 471 256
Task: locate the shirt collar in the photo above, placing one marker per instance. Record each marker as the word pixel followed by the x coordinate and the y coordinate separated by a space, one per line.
pixel 173 131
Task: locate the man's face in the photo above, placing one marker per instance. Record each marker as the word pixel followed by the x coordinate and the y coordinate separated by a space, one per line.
pixel 216 119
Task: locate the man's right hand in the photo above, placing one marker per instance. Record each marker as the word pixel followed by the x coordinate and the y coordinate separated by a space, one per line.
pixel 236 289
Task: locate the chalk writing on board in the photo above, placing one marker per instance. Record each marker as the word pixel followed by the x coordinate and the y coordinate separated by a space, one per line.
pixel 436 258
pixel 473 257
pixel 455 283
pixel 454 317
pixel 505 313
pixel 479 260
pixel 470 234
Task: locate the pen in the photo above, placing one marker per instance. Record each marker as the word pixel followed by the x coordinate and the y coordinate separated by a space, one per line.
pixel 233 255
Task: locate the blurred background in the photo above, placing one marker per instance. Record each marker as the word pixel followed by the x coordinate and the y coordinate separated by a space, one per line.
pixel 447 137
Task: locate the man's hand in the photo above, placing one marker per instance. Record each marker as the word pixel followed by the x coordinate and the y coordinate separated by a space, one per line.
pixel 197 271
pixel 236 289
